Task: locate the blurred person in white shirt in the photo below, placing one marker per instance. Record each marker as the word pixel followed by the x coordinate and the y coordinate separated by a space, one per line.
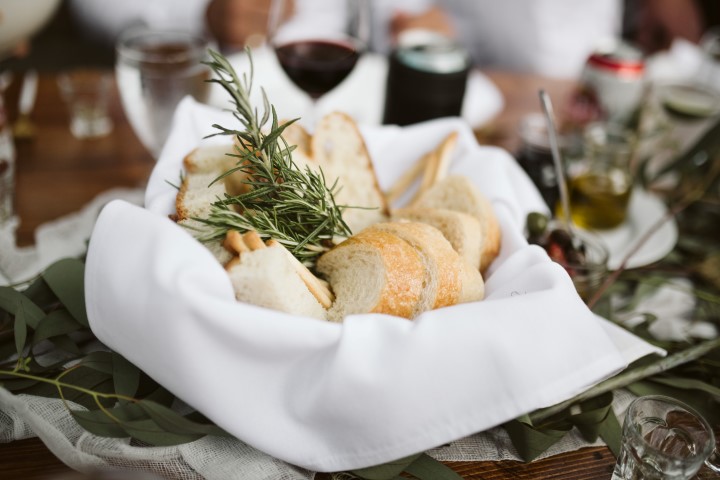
pixel 547 37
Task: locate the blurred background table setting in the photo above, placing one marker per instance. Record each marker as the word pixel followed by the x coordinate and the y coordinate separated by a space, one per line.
pixel 88 93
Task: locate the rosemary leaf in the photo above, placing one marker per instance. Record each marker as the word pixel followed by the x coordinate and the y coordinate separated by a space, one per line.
pixel 292 205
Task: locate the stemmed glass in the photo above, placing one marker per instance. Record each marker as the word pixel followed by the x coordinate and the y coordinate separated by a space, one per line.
pixel 318 43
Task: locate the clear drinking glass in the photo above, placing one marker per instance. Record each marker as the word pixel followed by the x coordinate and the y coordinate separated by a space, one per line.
pixel 318 43
pixel 155 69
pixel 600 185
pixel 86 94
pixel 664 439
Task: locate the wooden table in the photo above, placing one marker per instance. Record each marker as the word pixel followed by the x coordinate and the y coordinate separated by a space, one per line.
pixel 58 174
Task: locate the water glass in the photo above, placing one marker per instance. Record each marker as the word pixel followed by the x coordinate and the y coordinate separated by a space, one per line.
pixel 155 69
pixel 86 94
pixel 663 439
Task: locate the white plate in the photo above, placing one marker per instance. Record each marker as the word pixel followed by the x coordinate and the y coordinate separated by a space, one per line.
pixel 362 94
pixel 644 211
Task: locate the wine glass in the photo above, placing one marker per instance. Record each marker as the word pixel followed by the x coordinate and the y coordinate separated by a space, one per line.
pixel 155 69
pixel 318 42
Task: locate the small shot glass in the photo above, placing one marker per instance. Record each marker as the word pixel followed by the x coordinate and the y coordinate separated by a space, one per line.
pixel 86 94
pixel 664 439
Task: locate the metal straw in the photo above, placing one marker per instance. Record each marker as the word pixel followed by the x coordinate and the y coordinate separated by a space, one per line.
pixel 557 159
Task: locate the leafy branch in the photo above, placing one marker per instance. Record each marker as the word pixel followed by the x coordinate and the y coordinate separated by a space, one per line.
pixel 293 205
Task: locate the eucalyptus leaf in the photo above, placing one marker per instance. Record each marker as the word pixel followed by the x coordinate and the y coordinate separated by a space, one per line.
pixel 20 329
pixel 66 278
pixel 530 441
pixel 689 384
pixel 99 361
pixel 57 322
pixel 427 468
pixel 611 432
pixel 16 384
pixel 12 300
pixel 126 376
pixel 149 432
pixel 704 404
pixel 40 389
pixel 98 423
pixel 134 421
pixel 173 422
pixel 593 413
pixel 386 471
pixel 65 344
pixel 40 294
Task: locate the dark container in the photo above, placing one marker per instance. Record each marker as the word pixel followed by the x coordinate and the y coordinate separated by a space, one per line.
pixel 425 81
pixel 535 157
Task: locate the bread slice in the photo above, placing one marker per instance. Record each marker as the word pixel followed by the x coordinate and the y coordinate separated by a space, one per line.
pixel 210 159
pixel 460 194
pixel 460 229
pixel 267 278
pixel 442 263
pixel 197 194
pixel 339 149
pixel 373 272
pixel 198 229
pixel 295 134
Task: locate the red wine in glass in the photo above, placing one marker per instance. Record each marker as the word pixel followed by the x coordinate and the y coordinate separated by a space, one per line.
pixel 317 66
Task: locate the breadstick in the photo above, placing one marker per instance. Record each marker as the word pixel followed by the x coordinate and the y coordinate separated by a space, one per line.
pixel 319 288
pixel 437 163
pixel 234 242
pixel 232 263
pixel 446 149
pixel 406 179
pixel 253 240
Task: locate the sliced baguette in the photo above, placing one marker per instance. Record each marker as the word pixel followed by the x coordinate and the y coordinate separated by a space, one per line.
pixel 267 278
pixel 339 149
pixel 197 194
pixel 458 193
pixel 210 159
pixel 460 229
pixel 373 272
pixel 295 134
pixel 442 264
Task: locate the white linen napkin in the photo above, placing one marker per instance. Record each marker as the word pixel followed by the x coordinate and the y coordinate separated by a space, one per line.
pixel 331 397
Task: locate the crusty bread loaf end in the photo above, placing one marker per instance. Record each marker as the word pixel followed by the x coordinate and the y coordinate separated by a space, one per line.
pixel 373 272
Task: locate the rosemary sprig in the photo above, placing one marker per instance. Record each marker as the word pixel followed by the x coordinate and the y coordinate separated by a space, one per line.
pixel 292 205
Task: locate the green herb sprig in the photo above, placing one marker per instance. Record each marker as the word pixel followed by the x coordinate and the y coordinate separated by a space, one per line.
pixel 292 205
